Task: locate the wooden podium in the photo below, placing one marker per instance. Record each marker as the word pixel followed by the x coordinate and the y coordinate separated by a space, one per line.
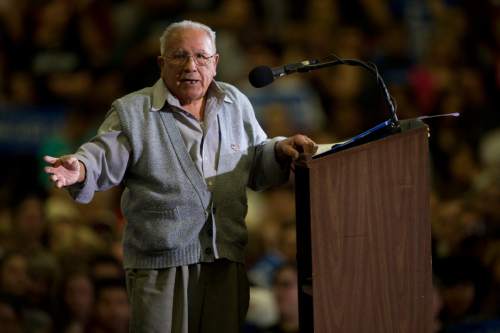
pixel 364 238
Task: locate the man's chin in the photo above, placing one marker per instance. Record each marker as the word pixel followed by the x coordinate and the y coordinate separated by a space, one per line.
pixel 187 98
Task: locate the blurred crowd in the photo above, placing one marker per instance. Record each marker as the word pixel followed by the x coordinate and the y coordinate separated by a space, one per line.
pixel 62 63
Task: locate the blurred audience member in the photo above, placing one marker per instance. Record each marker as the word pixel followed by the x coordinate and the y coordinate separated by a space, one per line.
pixel 11 317
pixel 111 311
pixel 106 267
pixel 14 279
pixel 286 295
pixel 77 293
pixel 28 222
pixel 262 272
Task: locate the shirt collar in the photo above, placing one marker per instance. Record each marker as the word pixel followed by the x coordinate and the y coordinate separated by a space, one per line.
pixel 162 95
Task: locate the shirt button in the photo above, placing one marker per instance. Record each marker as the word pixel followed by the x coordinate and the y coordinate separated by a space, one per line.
pixel 208 250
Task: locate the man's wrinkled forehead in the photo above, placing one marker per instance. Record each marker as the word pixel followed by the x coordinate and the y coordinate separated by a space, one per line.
pixel 193 38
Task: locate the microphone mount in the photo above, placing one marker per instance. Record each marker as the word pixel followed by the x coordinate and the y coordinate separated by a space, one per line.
pixel 298 67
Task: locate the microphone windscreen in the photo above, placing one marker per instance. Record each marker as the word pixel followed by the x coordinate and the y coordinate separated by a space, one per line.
pixel 260 76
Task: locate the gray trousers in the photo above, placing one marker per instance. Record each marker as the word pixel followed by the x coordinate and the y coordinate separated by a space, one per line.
pixel 200 298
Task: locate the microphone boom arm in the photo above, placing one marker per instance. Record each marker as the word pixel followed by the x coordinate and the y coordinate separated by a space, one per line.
pixel 370 67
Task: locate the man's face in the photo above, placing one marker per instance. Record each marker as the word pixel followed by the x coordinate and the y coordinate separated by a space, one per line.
pixel 187 80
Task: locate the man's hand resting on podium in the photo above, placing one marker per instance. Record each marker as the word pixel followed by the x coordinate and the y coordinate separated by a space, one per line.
pixel 289 150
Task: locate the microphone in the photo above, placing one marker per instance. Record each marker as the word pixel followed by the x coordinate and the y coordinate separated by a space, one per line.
pixel 261 76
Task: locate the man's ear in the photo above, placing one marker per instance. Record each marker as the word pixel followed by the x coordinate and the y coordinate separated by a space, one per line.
pixel 216 61
pixel 160 61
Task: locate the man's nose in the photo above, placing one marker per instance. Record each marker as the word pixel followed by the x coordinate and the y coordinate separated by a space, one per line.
pixel 190 64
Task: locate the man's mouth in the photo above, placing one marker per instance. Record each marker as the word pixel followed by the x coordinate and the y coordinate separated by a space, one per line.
pixel 189 81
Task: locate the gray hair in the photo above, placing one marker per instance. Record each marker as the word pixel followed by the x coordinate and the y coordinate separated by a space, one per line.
pixel 186 24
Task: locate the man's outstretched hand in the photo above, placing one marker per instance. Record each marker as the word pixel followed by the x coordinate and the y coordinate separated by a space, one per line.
pixel 65 170
pixel 290 149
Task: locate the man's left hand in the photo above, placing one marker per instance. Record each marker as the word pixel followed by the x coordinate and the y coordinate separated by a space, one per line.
pixel 290 149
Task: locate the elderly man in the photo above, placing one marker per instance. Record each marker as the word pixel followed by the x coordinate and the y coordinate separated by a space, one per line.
pixel 185 149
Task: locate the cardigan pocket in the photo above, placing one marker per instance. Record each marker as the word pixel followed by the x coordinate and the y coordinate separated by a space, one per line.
pixel 161 230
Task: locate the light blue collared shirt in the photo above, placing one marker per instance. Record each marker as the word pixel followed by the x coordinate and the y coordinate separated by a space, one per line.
pixel 202 138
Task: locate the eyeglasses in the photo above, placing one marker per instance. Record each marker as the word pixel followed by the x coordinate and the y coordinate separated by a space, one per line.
pixel 179 59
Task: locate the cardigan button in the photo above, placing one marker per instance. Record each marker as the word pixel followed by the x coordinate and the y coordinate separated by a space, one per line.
pixel 208 250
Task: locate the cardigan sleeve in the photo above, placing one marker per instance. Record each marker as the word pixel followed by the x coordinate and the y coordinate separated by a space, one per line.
pixel 105 158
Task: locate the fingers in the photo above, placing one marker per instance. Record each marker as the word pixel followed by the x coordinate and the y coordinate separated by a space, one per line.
pixel 307 145
pixel 55 164
pixel 297 144
pixel 49 170
pixel 50 159
pixel 68 161
pixel 303 144
pixel 58 181
pixel 290 151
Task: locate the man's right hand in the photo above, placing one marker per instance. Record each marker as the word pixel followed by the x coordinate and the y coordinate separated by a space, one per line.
pixel 65 170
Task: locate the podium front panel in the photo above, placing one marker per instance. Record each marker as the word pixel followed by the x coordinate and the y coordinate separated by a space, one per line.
pixel 367 213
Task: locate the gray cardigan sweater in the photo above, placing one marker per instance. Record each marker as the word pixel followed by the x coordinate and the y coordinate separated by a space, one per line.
pixel 172 217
